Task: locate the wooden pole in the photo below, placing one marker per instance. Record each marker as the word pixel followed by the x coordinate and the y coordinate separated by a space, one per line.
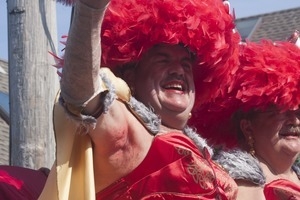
pixel 33 82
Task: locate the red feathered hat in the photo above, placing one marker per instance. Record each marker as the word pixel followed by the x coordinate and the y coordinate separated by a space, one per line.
pixel 131 27
pixel 269 74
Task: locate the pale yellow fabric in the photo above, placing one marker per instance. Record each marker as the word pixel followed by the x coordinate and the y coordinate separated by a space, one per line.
pixel 121 87
pixel 72 175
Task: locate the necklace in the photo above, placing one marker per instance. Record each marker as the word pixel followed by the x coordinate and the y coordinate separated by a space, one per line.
pixel 267 164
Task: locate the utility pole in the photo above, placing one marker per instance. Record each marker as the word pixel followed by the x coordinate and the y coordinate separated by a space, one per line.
pixel 33 82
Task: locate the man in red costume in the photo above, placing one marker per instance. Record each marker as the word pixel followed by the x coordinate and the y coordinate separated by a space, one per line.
pixel 109 145
pixel 258 121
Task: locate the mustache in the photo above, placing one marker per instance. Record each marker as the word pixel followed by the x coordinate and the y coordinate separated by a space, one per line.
pixel 174 76
pixel 291 129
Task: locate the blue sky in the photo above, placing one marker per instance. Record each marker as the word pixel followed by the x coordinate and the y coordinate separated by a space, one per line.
pixel 243 8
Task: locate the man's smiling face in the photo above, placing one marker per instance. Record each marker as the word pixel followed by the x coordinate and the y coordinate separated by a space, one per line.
pixel 164 81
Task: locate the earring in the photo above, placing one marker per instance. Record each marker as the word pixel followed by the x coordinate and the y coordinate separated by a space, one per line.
pixel 251 145
pixel 190 115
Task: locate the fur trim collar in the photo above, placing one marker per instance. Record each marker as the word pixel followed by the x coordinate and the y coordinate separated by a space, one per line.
pixel 200 142
pixel 240 165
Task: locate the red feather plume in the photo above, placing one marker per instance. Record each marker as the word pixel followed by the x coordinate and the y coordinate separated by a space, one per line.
pixel 131 27
pixel 269 74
